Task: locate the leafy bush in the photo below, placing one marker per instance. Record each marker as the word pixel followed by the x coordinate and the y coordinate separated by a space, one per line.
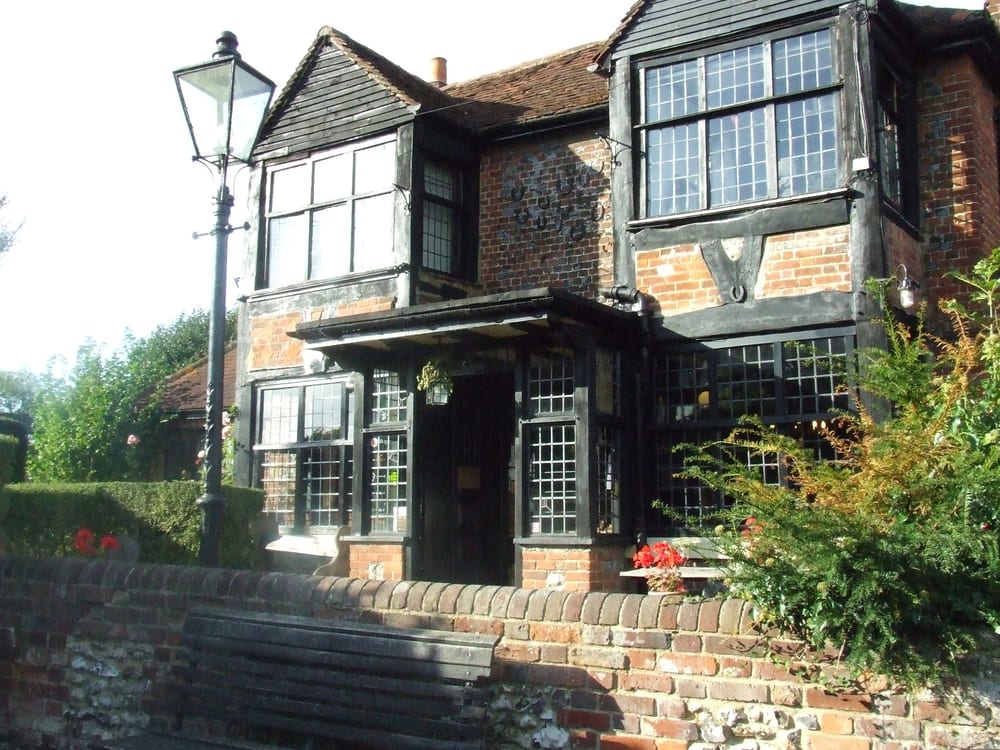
pixel 12 467
pixel 10 451
pixel 41 520
pixel 891 552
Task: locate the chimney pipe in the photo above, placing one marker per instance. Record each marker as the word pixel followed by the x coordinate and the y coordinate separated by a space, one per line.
pixel 439 72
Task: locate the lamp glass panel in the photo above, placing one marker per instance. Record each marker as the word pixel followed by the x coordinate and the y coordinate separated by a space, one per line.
pixel 205 92
pixel 251 96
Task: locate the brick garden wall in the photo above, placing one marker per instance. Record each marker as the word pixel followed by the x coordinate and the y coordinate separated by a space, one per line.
pixel 85 649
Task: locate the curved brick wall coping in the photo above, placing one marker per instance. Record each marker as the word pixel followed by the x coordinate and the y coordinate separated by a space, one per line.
pixel 306 593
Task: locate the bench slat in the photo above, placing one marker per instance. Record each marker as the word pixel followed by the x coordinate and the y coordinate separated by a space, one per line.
pixel 290 679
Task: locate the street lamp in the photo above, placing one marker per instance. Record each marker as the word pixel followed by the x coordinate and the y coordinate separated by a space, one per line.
pixel 224 102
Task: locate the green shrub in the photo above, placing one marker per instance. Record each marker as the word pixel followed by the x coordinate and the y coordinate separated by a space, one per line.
pixel 12 467
pixel 41 520
pixel 891 552
pixel 10 449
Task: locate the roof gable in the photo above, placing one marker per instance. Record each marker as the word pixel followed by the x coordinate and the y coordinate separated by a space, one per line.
pixel 341 91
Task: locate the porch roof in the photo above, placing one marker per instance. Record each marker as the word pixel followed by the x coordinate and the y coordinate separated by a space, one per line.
pixel 477 322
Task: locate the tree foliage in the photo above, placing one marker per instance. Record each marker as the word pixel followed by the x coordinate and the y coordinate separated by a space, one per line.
pixel 890 552
pixel 82 423
pixel 8 232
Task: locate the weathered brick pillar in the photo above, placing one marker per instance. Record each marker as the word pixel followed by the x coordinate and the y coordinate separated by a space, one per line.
pixel 377 560
pixel 573 568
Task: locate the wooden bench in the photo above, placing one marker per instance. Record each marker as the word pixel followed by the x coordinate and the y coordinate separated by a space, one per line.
pixel 261 680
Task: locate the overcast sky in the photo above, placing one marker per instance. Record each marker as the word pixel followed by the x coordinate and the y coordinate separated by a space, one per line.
pixel 95 157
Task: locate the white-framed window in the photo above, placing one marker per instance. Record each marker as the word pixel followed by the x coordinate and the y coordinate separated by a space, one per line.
pixel 331 214
pixel 304 453
pixel 750 123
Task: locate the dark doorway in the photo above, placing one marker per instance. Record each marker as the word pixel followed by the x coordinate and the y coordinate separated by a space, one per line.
pixel 464 454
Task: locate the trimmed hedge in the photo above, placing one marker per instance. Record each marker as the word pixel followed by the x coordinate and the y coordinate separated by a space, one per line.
pixel 41 520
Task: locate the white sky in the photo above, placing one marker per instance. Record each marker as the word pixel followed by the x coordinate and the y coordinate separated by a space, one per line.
pixel 95 156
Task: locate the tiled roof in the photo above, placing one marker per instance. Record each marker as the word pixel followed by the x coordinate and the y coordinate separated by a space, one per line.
pixel 184 391
pixel 557 85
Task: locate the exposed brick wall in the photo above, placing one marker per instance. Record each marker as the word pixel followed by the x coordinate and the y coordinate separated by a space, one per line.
pixel 958 169
pixel 805 262
pixel 623 671
pixel 377 561
pixel 270 344
pixel 677 279
pixel 795 263
pixel 545 215
pixel 572 568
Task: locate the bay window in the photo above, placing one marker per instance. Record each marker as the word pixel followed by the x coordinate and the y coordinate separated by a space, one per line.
pixel 331 214
pixel 752 123
pixel 304 454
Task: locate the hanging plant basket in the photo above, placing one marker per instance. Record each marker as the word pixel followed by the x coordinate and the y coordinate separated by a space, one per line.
pixel 435 382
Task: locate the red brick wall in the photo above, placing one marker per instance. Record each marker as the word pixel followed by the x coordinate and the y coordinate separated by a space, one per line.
pixel 376 560
pixel 545 215
pixel 270 344
pixel 631 672
pixel 958 170
pixel 794 263
pixel 572 568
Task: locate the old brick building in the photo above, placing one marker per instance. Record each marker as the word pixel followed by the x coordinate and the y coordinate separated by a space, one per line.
pixel 603 254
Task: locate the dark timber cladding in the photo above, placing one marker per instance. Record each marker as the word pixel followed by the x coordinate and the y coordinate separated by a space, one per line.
pixel 335 101
pixel 670 24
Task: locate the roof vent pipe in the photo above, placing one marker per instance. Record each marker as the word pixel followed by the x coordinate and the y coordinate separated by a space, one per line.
pixel 439 72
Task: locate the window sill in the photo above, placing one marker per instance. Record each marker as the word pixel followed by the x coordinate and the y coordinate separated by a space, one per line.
pixel 269 293
pixel 716 214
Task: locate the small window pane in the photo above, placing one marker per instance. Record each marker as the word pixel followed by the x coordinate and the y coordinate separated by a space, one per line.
pixel 288 243
pixel 673 170
pixel 388 398
pixel 737 148
pixel 323 412
pixel 279 476
pixel 440 233
pixel 374 168
pixel 672 91
pixel 553 479
pixel 441 182
pixel 373 233
pixel 388 483
pixel 551 384
pixel 279 416
pixel 331 242
pixel 608 480
pixel 735 77
pixel 290 188
pixel 808 158
pixel 803 62
pixel 332 178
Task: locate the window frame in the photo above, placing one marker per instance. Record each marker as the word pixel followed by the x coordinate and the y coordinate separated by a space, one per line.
pixel 899 190
pixel 702 115
pixel 456 212
pixel 342 446
pixel 707 420
pixel 387 417
pixel 307 258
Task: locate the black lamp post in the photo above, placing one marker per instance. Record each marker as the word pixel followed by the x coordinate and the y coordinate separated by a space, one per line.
pixel 224 102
